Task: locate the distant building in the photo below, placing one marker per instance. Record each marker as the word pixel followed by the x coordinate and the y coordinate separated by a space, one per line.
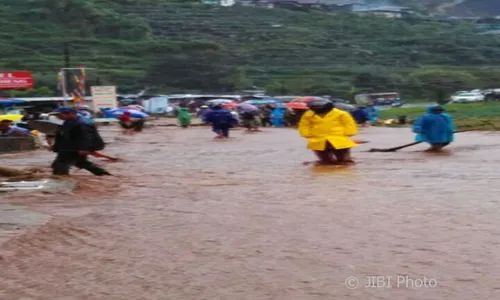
pixel 321 4
pixel 256 3
pixel 219 2
pixel 383 11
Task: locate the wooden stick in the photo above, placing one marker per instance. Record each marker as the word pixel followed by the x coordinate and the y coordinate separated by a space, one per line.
pixel 394 149
pixel 360 141
pixel 100 155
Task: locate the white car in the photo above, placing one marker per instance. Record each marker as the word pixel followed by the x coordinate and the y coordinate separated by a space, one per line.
pixel 467 98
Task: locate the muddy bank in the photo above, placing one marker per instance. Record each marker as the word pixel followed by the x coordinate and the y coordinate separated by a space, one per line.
pixel 190 218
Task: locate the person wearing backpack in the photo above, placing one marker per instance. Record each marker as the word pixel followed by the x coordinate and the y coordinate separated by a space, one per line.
pixel 74 141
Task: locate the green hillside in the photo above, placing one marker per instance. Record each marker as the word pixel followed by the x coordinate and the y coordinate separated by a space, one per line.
pixel 177 46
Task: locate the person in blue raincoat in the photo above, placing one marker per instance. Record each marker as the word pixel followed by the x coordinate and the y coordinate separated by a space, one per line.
pixel 360 115
pixel 434 127
pixel 222 120
pixel 278 116
pixel 372 112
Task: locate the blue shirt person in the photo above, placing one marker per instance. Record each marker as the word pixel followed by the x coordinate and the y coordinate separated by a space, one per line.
pixel 434 127
pixel 372 112
pixel 278 116
pixel 360 115
pixel 6 129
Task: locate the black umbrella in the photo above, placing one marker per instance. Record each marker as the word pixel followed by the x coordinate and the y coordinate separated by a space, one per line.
pixel 45 126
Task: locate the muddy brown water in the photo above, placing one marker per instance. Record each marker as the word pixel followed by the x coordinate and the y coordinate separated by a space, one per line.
pixel 191 218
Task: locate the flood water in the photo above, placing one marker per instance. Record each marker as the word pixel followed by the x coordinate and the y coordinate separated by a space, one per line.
pixel 192 218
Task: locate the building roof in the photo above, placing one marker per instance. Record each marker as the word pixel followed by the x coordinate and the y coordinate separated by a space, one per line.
pixel 325 2
pixel 382 8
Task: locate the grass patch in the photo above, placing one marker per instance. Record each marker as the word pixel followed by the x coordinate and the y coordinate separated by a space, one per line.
pixel 466 116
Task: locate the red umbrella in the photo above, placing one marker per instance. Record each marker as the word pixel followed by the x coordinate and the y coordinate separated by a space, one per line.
pixel 306 99
pixel 230 105
pixel 297 105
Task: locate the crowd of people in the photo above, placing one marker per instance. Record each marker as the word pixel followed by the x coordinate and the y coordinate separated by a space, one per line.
pixel 268 115
pixel 328 130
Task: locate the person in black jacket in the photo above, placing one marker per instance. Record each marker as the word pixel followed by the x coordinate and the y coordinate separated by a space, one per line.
pixel 74 141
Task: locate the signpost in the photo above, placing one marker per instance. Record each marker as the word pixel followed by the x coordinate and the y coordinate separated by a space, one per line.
pixel 16 80
pixel 103 97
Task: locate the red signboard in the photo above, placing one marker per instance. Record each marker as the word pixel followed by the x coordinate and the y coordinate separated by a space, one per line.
pixel 16 80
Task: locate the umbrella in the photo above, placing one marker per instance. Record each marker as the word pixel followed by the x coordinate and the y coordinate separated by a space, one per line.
pixel 12 118
pixel 133 113
pixel 7 102
pixel 297 105
pixel 45 126
pixel 248 108
pixel 307 99
pixel 285 99
pixel 218 101
pixel 230 105
pixel 136 107
pixel 261 101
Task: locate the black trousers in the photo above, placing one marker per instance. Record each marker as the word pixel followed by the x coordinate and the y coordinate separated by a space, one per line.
pixel 64 161
pixel 333 156
pixel 264 122
pixel 221 130
pixel 136 125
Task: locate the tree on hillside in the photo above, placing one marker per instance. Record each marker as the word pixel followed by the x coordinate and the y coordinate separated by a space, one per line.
pixel 205 70
pixel 87 18
pixel 434 83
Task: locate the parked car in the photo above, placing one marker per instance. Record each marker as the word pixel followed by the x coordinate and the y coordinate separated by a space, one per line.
pixel 492 95
pixel 467 97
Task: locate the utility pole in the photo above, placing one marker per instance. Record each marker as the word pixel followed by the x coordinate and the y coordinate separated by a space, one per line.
pixel 64 76
pixel 66 55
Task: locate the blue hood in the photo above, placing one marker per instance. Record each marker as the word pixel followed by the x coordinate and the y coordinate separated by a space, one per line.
pixel 430 109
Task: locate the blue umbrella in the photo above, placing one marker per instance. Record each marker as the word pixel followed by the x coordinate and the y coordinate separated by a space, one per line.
pixel 261 101
pixel 8 102
pixel 133 113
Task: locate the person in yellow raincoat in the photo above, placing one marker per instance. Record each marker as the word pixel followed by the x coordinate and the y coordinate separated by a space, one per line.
pixel 328 131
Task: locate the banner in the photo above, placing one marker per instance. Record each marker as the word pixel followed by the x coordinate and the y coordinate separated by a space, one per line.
pixel 104 97
pixel 16 80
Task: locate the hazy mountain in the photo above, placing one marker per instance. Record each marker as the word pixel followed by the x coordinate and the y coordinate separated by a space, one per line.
pixel 458 8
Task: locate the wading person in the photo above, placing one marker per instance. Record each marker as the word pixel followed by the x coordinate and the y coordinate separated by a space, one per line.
pixel 222 121
pixel 265 115
pixel 435 127
pixel 328 131
pixel 361 116
pixel 129 124
pixel 372 112
pixel 248 114
pixel 74 141
pixel 184 117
